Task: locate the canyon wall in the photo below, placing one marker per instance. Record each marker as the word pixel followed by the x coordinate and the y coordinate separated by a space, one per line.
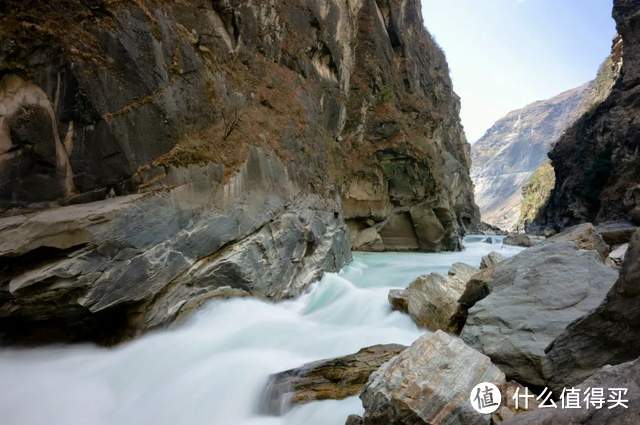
pixel 155 155
pixel 596 160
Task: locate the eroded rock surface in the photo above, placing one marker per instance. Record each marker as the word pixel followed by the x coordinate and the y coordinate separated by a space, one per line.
pixel 139 261
pixel 429 382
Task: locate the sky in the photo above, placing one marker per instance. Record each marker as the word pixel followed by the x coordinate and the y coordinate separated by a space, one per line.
pixel 505 54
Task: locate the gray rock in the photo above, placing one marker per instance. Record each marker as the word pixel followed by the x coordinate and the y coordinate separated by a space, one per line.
pixel 533 297
pixel 607 335
pixel 67 270
pixel 429 382
pixel 625 375
pixel 333 379
pixel 491 259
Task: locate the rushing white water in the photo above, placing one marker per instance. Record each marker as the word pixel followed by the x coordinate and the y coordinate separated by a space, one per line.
pixel 212 369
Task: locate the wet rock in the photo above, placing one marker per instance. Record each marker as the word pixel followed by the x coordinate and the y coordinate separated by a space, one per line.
pixel 491 259
pixel 584 236
pixel 429 382
pixel 607 335
pixel 432 300
pixel 399 300
pixel 333 379
pixel 625 375
pixel 532 298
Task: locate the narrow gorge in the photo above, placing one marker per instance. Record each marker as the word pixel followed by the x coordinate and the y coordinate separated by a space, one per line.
pixel 156 155
pixel 234 212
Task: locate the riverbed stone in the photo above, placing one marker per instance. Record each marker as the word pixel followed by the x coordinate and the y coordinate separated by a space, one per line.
pixel 432 300
pixel 333 379
pixel 429 382
pixel 399 300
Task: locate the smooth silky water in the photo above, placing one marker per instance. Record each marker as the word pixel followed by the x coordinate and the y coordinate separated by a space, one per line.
pixel 212 369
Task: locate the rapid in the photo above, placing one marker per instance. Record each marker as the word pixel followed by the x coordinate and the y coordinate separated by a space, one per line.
pixel 212 369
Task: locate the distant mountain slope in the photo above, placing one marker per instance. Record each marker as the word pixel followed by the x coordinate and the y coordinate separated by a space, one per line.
pixel 504 158
pixel 510 151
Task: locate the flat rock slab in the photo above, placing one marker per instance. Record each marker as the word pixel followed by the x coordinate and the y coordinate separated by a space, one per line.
pixel 332 379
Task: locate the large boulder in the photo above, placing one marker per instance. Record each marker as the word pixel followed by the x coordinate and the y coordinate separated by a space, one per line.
pixel 533 297
pixel 332 379
pixel 584 236
pixel 610 379
pixel 429 382
pixel 432 300
pixel 608 335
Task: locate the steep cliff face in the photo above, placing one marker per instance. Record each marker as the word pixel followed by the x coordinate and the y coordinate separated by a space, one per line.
pixel 155 155
pixel 596 161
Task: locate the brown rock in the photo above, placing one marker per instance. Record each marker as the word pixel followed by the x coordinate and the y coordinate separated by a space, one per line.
pixel 333 379
pixel 399 300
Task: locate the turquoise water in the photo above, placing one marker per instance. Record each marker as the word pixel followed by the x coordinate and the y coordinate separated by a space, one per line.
pixel 212 369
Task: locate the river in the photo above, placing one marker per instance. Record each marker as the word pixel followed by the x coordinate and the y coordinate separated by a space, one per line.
pixel 211 370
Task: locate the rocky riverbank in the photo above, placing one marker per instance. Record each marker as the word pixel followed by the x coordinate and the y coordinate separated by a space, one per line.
pixel 540 319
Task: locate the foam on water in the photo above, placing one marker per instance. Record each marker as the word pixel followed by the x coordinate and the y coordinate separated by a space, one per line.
pixel 212 369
